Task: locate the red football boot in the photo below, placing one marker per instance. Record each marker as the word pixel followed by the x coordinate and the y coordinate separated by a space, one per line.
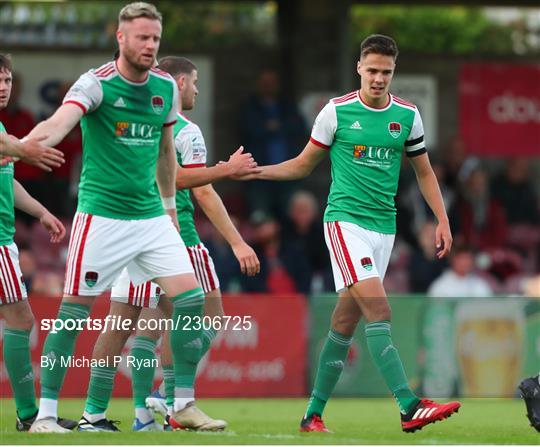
pixel 427 412
pixel 313 423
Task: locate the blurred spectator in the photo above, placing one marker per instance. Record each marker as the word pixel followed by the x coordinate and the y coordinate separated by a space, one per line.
pixel 514 191
pixel 424 267
pixel 283 267
pixel 48 283
pixel 418 210
pixel 455 154
pixel 479 220
pixel 272 129
pixel 304 231
pixel 460 280
pixel 227 267
pixel 532 287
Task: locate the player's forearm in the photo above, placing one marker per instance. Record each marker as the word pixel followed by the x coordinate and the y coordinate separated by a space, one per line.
pixel 192 177
pixel 429 187
pixel 215 210
pixel 58 125
pixel 166 173
pixel 292 169
pixel 52 129
pixel 25 202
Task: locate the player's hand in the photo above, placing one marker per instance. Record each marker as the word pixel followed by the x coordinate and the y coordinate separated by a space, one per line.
pixel 4 161
pixel 443 239
pixel 241 164
pixel 174 218
pixel 55 228
pixel 249 263
pixel 44 157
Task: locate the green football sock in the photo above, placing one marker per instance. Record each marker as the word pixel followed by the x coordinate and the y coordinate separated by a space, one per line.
pixel 386 357
pixel 208 336
pixel 168 378
pixel 331 362
pixel 19 369
pixel 99 389
pixel 60 345
pixel 142 377
pixel 186 344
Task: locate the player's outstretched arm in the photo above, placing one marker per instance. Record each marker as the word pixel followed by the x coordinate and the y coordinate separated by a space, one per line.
pixel 429 187
pixel 30 151
pixel 295 168
pixel 55 128
pixel 25 202
pixel 215 210
pixel 239 164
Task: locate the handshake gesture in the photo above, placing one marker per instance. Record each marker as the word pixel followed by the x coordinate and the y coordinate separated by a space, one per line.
pixel 241 165
pixel 30 151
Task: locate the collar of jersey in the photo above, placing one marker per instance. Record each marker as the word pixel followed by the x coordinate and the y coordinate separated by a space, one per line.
pixel 373 109
pixel 131 82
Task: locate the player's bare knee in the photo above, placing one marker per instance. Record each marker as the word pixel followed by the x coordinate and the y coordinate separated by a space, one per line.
pixel 18 316
pixel 344 324
pixel 213 305
pixel 24 322
pixel 378 312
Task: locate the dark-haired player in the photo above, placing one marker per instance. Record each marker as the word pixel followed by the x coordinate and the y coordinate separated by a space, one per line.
pixel 366 132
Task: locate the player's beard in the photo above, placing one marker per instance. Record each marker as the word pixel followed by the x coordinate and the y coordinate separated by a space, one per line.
pixel 188 102
pixel 131 58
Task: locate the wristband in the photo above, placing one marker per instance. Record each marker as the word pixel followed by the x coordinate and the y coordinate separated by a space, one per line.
pixel 169 203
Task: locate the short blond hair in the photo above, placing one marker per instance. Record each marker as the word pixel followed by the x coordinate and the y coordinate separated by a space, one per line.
pixel 138 9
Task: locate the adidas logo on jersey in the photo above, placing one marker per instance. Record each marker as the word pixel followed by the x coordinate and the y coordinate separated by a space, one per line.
pixel 356 125
pixel 120 102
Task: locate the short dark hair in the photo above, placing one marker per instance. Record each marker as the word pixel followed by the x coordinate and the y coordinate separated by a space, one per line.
pixel 5 63
pixel 176 65
pixel 379 44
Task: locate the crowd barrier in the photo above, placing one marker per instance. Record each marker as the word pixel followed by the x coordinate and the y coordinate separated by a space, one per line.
pixel 449 347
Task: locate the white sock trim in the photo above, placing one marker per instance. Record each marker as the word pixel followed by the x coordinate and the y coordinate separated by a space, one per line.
pixel 48 408
pixel 93 417
pixel 181 402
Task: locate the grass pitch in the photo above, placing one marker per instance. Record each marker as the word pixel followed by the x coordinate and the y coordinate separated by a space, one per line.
pixel 275 421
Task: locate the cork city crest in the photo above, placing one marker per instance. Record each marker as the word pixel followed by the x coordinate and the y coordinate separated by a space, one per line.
pixel 394 129
pixel 158 104
pixel 366 263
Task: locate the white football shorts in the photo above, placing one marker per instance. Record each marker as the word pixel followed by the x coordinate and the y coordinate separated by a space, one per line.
pixel 100 248
pixel 356 253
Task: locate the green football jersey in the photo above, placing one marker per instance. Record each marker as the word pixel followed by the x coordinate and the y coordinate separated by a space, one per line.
pixel 191 153
pixel 121 130
pixel 7 202
pixel 366 147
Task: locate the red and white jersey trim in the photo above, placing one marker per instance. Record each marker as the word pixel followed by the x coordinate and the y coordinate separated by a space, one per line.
pixel 402 102
pixel 77 103
pixel 345 98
